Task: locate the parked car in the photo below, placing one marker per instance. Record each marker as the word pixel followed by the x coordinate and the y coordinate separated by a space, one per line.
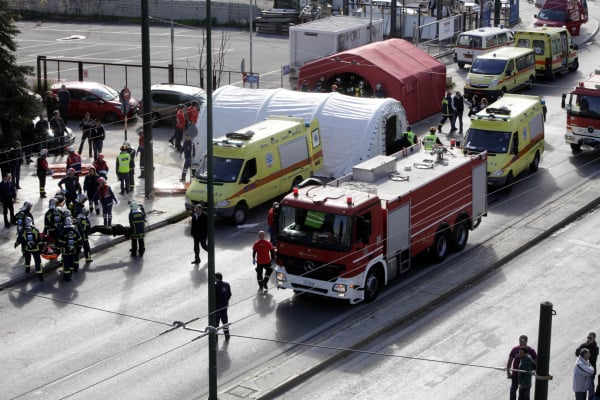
pixel 166 97
pixel 99 100
pixel 50 142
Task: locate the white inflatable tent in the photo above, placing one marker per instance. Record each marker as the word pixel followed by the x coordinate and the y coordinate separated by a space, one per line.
pixel 353 129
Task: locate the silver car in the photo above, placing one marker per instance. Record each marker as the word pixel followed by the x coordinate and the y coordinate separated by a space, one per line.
pixel 166 97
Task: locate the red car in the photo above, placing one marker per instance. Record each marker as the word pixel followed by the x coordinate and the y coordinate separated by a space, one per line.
pixel 99 100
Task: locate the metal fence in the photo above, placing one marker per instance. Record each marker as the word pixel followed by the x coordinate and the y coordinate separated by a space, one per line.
pixel 53 70
pixel 438 38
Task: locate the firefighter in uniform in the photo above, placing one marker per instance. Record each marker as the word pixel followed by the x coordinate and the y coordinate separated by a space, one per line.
pixel 410 135
pixel 431 140
pixel 122 167
pixel 42 170
pixel 69 242
pixel 20 217
pixel 447 111
pixel 30 242
pixel 137 228
pixel 53 221
pixel 84 225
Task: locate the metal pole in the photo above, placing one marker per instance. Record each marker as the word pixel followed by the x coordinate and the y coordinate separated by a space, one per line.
pixel 146 82
pixel 172 38
pixel 212 320
pixel 543 355
pixel 251 29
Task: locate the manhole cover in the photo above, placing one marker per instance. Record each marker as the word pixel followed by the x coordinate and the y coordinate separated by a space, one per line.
pixel 72 37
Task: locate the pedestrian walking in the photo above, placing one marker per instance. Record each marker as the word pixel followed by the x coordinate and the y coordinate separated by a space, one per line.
pixel 15 156
pixel 31 245
pixel 189 152
pixel 583 373
pixel 97 136
pixel 263 254
pixel 175 140
pixel 64 98
pixel 199 232
pixel 51 103
pixel 526 368
pixel 458 108
pixel 122 167
pixel 42 171
pixel 8 196
pixel 447 111
pixel 107 199
pixel 222 295
pixel 192 118
pixel 512 364
pixel 58 126
pixel 137 228
pixel 90 187
pixel 592 346
pixel 86 125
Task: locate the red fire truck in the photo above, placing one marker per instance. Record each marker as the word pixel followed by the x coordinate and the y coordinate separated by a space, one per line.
pixel 583 114
pixel 348 238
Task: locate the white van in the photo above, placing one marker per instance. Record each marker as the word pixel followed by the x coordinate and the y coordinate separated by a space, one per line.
pixel 473 43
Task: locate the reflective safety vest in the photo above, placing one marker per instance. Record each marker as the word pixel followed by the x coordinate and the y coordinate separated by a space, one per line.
pixel 123 160
pixel 411 137
pixel 446 108
pixel 429 141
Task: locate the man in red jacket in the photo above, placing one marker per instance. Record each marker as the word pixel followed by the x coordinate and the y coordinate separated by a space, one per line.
pixel 263 254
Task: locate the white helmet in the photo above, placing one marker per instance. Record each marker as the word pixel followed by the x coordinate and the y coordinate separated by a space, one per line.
pixel 133 205
pixel 68 222
pixel 26 206
pixel 71 149
pixel 43 152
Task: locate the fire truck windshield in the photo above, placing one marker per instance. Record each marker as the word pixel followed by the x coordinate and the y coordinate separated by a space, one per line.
pixel 585 106
pixel 315 228
pixel 492 141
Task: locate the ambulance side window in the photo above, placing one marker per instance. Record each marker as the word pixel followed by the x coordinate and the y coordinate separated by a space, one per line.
pixel 515 143
pixel 510 67
pixel 249 170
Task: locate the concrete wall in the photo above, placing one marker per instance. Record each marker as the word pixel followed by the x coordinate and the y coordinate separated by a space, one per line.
pixel 223 12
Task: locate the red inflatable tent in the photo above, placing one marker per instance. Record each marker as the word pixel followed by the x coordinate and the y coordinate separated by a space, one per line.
pixel 407 74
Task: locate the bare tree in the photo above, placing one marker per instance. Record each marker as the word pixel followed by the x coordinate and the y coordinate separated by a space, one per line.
pixel 218 61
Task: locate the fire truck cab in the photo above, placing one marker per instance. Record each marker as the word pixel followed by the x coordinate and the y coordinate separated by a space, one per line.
pixel 582 106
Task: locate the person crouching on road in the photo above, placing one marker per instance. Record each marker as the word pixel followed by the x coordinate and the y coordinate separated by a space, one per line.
pixel 137 228
pixel 122 166
pixel 71 187
pixel 189 152
pixel 69 241
pixel 107 198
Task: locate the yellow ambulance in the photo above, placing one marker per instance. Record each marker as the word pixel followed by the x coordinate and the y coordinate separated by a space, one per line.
pixel 554 49
pixel 511 130
pixel 500 71
pixel 258 163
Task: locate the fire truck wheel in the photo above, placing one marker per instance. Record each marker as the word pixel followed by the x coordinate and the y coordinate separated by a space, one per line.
pixel 240 214
pixel 439 250
pixel 575 148
pixel 460 235
pixel 535 162
pixel 373 284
